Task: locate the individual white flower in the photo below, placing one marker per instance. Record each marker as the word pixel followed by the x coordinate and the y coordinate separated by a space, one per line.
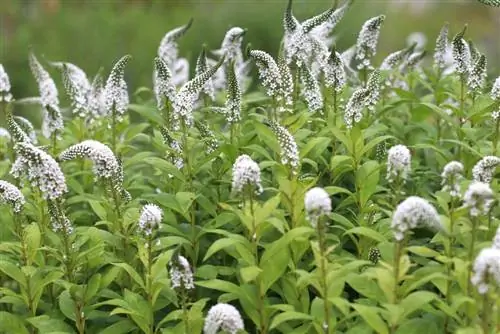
pixel 366 45
pixel 289 150
pixel 414 212
pixel 398 163
pixel 105 162
pixel 246 173
pixel 5 95
pixel 181 275
pixel 486 270
pixel 12 196
pixel 150 219
pixel 317 203
pixel 116 98
pixel 223 317
pixel 478 198
pixel 484 170
pixel 451 177
pixel 168 50
pixel 40 169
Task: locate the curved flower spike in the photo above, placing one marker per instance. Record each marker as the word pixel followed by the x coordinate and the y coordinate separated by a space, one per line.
pixel 167 50
pixel 115 91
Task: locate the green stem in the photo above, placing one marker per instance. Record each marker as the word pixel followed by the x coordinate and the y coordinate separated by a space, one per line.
pixel 149 280
pixel 449 267
pixel 113 130
pixel 334 107
pixel 397 256
pixel 485 312
pixel 495 138
pixel 470 256
pixel 53 138
pixel 461 116
pixel 324 284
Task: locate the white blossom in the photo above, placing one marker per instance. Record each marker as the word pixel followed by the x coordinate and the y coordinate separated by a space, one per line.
pixel 269 72
pixel 451 177
pixel 461 55
pixel 478 198
pixel 484 170
pixel 77 86
pixel 477 75
pixel 223 317
pixel 414 212
pixel 398 163
pixel 5 95
pixel 495 90
pixel 334 71
pixel 366 45
pixel 442 48
pixel 231 45
pixel 12 196
pixel 181 275
pixel 496 239
pixel 116 98
pixel 353 112
pixel 104 161
pixel 310 90
pixel 168 50
pixel 202 65
pixel 246 173
pixel 150 219
pixel 486 270
pixel 317 203
pixel 41 170
pixel 163 86
pixel 289 150
pixel 322 32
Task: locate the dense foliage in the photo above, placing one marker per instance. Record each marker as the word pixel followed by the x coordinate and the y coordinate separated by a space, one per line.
pixel 343 197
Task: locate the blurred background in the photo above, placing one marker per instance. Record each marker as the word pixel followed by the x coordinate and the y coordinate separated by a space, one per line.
pixel 95 33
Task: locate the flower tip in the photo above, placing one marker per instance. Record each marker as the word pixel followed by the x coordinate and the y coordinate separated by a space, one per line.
pixel 189 24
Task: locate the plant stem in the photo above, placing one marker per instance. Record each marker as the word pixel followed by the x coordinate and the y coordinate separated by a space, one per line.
pixel 470 255
pixel 324 285
pixel 334 107
pixel 53 138
pixel 113 130
pixel 397 256
pixel 461 116
pixel 485 323
pixel 449 267
pixel 149 279
pixel 495 138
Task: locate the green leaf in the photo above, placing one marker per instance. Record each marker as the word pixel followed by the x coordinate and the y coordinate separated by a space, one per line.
pixel 131 271
pixel 372 318
pixel 249 273
pixel 33 239
pixel 98 209
pixel 13 272
pixel 367 178
pixel 46 324
pixel 120 327
pixel 289 316
pixel 367 232
pixel 416 300
pixel 67 305
pixel 11 323
pixel 92 287
pixel 220 244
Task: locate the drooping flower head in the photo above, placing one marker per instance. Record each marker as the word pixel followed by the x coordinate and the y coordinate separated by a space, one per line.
pixel 223 317
pixel 366 45
pixel 269 73
pixel 317 203
pixel 478 198
pixel 451 177
pixel 323 31
pixel 414 212
pixel 310 90
pixel 77 86
pixel 187 96
pixel 398 163
pixel 334 71
pixel 231 45
pixel 41 170
pixel 11 195
pixel 168 51
pixel 353 112
pixel 486 270
pixel 52 118
pixel 115 91
pixel 289 150
pixel 484 170
pixel 163 86
pixel 150 219
pixel 16 131
pixel 181 275
pixel 246 175
pixel 392 61
pixel 5 95
pixel 105 162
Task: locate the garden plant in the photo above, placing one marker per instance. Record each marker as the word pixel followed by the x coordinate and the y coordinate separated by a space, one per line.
pixel 328 193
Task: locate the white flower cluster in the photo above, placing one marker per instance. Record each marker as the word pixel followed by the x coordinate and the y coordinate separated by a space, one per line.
pixel 392 60
pixel 163 86
pixel 246 173
pixel 233 98
pixel 289 150
pixel 208 137
pixel 203 66
pixel 41 170
pixel 496 239
pixel 115 91
pixel 175 155
pixel 484 170
pixel 105 164
pixel 477 75
pixel 5 95
pixel 322 32
pixel 223 317
pixel 443 49
pixel 150 219
pixel 24 129
pixel 334 71
pixel 478 198
pixel 77 86
pixel 12 196
pixel 495 95
pixel 398 163
pixel 486 270
pixel 52 118
pixel 317 203
pixel 269 72
pixel 353 112
pixel 311 90
pixel 461 54
pixel 414 212
pixel 60 223
pixel 366 44
pixel 181 275
pixel 451 177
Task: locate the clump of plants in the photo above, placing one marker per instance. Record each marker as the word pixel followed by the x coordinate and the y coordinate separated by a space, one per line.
pixel 327 194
